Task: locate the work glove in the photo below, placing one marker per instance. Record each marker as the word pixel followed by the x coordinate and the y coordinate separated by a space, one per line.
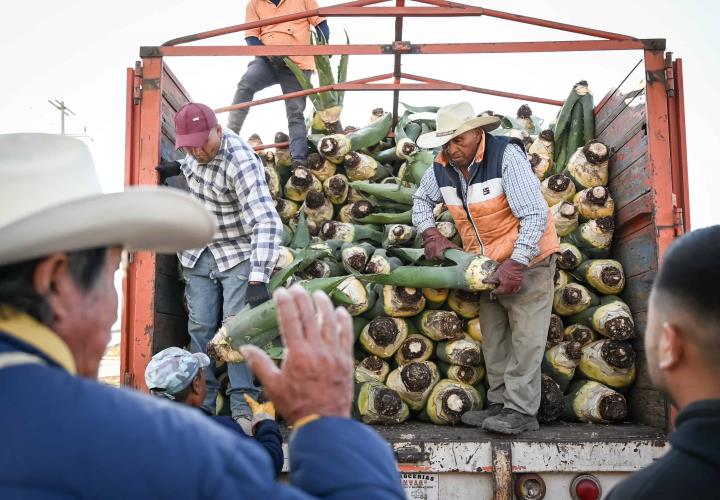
pixel 257 293
pixel 435 244
pixel 260 411
pixel 168 169
pixel 508 278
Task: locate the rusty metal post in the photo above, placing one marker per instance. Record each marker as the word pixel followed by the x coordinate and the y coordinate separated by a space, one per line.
pixel 139 284
pixel 397 63
pixel 658 134
pixel 502 471
pixel 676 105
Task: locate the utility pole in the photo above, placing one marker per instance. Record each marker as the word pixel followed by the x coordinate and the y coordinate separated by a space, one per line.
pixel 64 111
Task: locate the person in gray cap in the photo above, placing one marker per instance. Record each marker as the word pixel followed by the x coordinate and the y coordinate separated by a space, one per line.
pixel 179 376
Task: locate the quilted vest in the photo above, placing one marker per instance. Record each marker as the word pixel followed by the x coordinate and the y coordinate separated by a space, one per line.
pixel 483 218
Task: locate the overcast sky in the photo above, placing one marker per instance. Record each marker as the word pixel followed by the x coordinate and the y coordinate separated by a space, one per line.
pixel 78 51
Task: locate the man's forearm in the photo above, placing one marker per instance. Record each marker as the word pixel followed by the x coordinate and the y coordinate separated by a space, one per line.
pixel 422 215
pixel 527 204
pixel 425 198
pixel 324 30
pixel 526 246
pixel 265 249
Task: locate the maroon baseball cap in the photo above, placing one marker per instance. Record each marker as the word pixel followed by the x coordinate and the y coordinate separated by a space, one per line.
pixel 193 124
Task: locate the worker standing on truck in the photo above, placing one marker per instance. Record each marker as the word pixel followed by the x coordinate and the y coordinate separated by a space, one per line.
pixel 265 71
pixel 682 342
pixel 178 375
pixel 223 172
pixel 494 199
pixel 64 435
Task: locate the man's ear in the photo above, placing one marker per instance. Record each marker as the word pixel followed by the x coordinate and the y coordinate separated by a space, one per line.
pixel 50 280
pixel 671 347
pixel 196 385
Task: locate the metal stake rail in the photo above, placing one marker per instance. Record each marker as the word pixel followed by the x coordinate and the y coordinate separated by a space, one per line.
pixel 399 47
pixel 151 320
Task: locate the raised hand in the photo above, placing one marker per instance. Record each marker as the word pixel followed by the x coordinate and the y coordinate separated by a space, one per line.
pixel 316 374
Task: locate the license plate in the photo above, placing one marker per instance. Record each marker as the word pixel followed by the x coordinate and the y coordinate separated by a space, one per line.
pixel 420 486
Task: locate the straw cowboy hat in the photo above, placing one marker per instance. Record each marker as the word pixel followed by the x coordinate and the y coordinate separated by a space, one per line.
pixel 51 201
pixel 453 120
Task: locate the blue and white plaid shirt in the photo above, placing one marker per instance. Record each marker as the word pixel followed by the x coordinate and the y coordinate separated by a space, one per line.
pixel 233 187
pixel 522 189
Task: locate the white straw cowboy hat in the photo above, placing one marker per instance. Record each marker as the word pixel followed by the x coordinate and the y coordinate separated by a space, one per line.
pixel 51 201
pixel 453 120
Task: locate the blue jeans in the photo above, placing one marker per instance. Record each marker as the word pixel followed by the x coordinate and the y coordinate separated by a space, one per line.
pixel 262 74
pixel 212 296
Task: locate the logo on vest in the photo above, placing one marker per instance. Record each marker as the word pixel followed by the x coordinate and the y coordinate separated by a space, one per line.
pixel 486 191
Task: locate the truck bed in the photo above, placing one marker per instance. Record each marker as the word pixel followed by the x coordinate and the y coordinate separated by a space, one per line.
pixel 558 447
pixel 556 432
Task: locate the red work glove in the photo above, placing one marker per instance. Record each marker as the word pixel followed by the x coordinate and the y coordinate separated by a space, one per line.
pixel 508 278
pixel 435 244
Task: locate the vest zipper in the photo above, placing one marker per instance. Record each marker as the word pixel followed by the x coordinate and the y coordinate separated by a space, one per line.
pixel 467 209
pixel 472 222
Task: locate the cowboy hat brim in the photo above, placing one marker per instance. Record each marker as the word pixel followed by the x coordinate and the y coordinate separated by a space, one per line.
pixel 158 219
pixel 432 140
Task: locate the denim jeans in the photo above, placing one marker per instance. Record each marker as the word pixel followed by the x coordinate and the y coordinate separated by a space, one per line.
pixel 261 74
pixel 212 296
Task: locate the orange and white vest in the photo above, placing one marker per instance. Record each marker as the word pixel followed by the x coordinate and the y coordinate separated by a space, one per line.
pixel 483 217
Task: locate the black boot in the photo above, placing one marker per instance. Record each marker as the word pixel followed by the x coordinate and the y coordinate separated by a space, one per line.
pixel 511 422
pixel 476 418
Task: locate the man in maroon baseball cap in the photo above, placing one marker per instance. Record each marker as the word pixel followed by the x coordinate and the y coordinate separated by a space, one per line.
pixel 223 172
pixel 193 124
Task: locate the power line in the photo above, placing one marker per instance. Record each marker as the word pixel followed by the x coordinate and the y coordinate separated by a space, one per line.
pixel 65 111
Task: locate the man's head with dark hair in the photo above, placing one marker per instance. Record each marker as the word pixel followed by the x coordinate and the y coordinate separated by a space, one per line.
pixel 17 287
pixel 72 293
pixel 682 338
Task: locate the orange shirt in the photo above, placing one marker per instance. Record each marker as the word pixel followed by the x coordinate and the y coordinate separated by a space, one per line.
pixel 288 33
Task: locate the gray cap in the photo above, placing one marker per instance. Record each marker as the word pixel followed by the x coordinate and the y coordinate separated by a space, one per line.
pixel 172 370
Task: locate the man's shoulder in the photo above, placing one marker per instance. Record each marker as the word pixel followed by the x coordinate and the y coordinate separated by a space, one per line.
pixel 675 475
pixel 60 420
pixel 236 151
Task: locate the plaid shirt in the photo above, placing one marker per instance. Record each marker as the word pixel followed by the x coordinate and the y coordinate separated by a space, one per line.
pixel 233 187
pixel 522 189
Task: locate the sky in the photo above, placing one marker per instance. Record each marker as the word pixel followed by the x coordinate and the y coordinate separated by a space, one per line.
pixel 78 51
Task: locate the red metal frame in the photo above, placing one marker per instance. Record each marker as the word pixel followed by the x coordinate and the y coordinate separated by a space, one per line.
pixel 368 8
pixel 363 8
pixel 678 148
pixel 665 120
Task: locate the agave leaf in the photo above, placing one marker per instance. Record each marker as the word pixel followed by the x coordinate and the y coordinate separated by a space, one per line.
pixel 421 109
pixel 342 71
pixel 400 126
pixel 325 75
pixel 304 82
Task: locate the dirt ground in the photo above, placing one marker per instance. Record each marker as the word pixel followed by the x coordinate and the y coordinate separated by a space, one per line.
pixel 109 372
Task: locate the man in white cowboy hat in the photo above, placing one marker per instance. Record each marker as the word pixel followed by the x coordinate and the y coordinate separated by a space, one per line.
pixel 494 199
pixel 64 435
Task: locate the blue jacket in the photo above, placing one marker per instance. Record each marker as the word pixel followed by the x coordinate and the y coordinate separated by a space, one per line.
pixel 64 436
pixel 267 433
